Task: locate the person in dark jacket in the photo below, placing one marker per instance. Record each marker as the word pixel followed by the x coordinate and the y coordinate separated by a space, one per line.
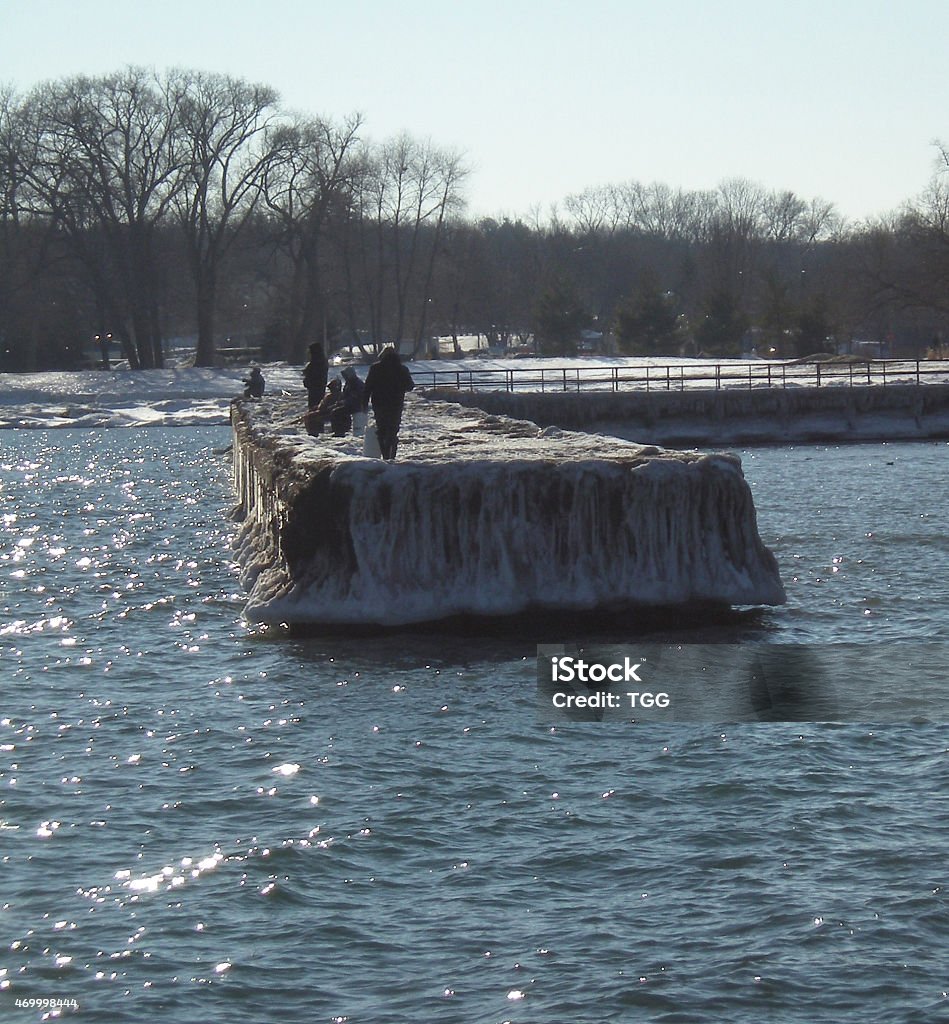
pixel 314 375
pixel 333 410
pixel 352 390
pixel 386 384
pixel 254 384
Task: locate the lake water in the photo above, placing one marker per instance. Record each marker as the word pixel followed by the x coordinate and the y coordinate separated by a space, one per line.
pixel 202 821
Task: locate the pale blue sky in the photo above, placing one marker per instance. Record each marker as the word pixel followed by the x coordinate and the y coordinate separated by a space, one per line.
pixel 833 98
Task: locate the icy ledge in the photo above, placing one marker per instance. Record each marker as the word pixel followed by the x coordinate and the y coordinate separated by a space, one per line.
pixel 483 515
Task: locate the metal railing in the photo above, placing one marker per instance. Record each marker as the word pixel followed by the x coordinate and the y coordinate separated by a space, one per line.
pixel 683 376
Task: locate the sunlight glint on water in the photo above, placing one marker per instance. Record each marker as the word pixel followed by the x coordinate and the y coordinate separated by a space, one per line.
pixel 199 821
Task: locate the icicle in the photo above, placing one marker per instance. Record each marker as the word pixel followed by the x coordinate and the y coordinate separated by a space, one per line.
pixel 505 521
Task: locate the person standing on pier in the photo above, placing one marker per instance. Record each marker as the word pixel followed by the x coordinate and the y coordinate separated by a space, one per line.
pixel 314 375
pixel 386 384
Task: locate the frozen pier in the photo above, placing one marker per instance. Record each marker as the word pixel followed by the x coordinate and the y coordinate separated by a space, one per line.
pixel 483 516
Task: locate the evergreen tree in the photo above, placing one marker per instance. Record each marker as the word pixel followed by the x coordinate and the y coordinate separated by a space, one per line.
pixel 647 324
pixel 813 328
pixel 559 319
pixel 720 331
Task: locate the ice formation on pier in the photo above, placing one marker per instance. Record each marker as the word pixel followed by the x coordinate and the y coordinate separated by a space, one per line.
pixel 484 515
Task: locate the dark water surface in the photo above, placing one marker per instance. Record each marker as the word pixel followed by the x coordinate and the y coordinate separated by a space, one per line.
pixel 200 821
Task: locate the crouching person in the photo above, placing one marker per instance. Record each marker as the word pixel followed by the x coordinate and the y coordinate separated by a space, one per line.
pixel 332 409
pixel 254 384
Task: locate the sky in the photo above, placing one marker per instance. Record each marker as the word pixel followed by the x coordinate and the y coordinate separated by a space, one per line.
pixel 832 99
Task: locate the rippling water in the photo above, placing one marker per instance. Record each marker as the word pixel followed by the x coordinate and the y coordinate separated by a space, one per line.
pixel 201 821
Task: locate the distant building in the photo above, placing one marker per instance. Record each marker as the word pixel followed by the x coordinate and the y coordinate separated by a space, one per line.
pixel 592 343
pixel 869 349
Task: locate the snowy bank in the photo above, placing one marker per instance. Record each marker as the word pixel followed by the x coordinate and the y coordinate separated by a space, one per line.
pixel 483 515
pixel 182 396
pixel 694 416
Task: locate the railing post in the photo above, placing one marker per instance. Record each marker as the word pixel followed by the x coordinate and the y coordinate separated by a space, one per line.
pixel 818 373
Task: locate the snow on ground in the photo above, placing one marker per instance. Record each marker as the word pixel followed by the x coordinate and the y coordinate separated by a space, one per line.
pixel 130 398
pixel 434 433
pixel 192 396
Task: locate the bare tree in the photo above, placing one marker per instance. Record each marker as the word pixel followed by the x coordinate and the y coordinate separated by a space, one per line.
pixel 595 210
pixel 10 158
pixel 408 192
pixel 11 185
pixel 107 164
pixel 906 255
pixel 660 210
pixel 439 174
pixel 928 223
pixel 311 182
pixel 226 129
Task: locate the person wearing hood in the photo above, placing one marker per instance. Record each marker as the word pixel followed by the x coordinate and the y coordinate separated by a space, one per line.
pixel 254 384
pixel 352 390
pixel 386 384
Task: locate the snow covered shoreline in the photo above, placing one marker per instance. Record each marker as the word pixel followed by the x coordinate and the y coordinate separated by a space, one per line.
pixel 689 417
pixel 123 398
pixel 484 516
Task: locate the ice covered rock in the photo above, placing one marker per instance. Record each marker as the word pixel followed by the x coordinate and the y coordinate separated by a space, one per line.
pixel 483 515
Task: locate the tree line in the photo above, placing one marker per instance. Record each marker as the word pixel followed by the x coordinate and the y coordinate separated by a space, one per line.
pixel 141 207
